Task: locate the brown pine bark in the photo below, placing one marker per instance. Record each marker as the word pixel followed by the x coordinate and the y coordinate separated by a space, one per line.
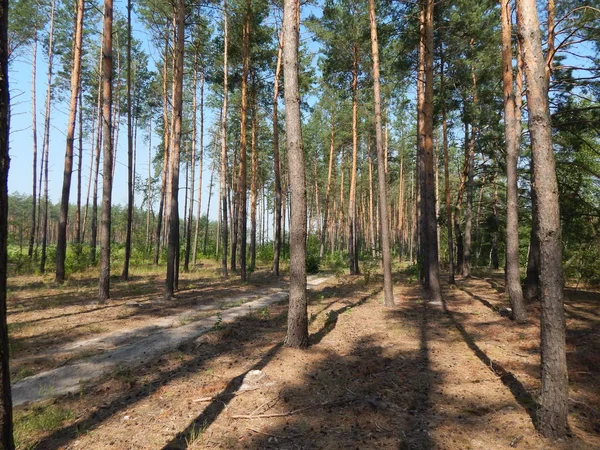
pixel 173 240
pixel 105 226
pixel 511 128
pixel 381 165
pixel 466 266
pixel 297 333
pixel 276 163
pixel 243 174
pixel 552 414
pixel 224 230
pixel 61 245
pixel 352 230
pixel 6 414
pixel 431 246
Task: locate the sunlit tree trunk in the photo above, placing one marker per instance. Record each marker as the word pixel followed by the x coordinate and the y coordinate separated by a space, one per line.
pixel 188 224
pixel 224 230
pixel 352 231
pixel 173 241
pixel 328 191
pixel 552 414
pixel 107 144
pixel 200 170
pixel 513 278
pixel 297 333
pixel 447 181
pixel 243 174
pixel 381 165
pixel 254 180
pixel 46 144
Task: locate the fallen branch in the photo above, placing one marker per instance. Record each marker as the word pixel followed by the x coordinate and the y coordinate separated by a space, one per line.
pixel 291 413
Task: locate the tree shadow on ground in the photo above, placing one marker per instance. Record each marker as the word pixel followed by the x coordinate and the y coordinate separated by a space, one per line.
pixel 375 396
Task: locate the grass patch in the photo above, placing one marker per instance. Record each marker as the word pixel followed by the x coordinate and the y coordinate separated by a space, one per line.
pixel 30 424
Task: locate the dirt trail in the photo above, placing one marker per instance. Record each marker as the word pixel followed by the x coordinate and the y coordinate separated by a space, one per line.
pixel 129 348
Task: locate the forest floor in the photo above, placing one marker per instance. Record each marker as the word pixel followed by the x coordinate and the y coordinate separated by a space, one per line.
pixel 409 377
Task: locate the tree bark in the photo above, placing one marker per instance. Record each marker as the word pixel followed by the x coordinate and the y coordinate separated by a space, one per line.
pixel 352 231
pixel 451 279
pixel 552 415
pixel 432 258
pixel 381 165
pixel 107 144
pixel 328 192
pixel 224 230
pixel 254 180
pixel 188 224
pixel 511 128
pixel 297 333
pixel 46 145
pixel 6 413
pixel 200 170
pixel 243 174
pixel 130 170
pixel 466 266
pixel 173 241
pixel 32 232
pixel 276 163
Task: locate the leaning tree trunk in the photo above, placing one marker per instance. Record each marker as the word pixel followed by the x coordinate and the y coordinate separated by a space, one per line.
pixel 513 279
pixel 61 244
pixel 297 333
pixel 6 425
pixel 173 242
pixel 385 230
pixel 107 164
pixel 552 415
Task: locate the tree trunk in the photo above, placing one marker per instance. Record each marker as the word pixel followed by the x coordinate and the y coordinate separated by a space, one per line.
pixel 254 180
pixel 459 200
pixel 297 333
pixel 242 188
pixel 46 145
pixel 352 231
pixel 32 233
pixel 200 170
pixel 188 224
pixel 105 220
pixel 173 242
pixel 224 230
pixel 6 413
pixel 210 188
pixel 432 258
pixel 451 279
pixel 381 164
pixel 79 170
pixel 466 266
pixel 61 245
pixel 130 170
pixel 512 130
pixel 276 164
pixel 552 415
pixel 327 193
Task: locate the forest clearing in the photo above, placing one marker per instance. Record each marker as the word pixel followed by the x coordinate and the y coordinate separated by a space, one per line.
pixel 299 225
